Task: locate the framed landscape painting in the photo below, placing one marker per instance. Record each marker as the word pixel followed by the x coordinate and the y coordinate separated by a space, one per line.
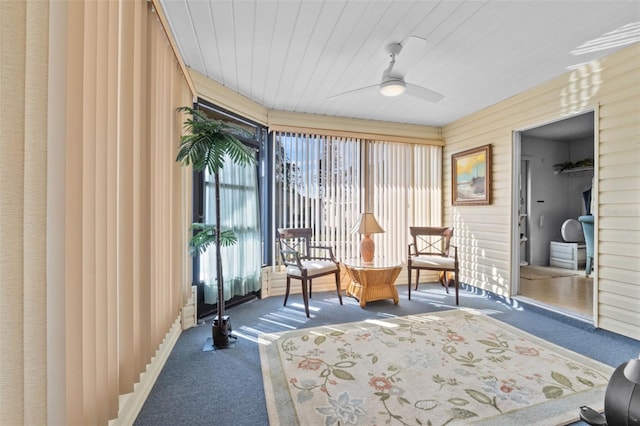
pixel 471 177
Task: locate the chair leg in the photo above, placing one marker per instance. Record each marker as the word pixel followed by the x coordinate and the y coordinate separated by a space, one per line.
pixel 457 286
pixel 444 280
pixel 417 278
pixel 305 297
pixel 286 293
pixel 409 283
pixel 589 266
pixel 310 288
pixel 338 286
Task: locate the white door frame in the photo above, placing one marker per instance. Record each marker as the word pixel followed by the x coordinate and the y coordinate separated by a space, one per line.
pixel 515 176
pixel 515 213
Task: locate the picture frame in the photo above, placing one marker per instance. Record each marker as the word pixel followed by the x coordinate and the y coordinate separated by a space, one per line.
pixel 471 177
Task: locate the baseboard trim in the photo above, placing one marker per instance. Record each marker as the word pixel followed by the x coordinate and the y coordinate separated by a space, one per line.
pixel 131 403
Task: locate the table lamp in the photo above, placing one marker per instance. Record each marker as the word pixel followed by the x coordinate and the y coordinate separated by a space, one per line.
pixel 367 225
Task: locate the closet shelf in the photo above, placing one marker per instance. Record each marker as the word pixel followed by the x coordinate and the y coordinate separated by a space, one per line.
pixel 575 170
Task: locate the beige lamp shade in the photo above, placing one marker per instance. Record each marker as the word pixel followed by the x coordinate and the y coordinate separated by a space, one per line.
pixel 367 225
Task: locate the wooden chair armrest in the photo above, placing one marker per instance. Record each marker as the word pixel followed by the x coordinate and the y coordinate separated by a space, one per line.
pixel 326 248
pixel 409 254
pixel 455 252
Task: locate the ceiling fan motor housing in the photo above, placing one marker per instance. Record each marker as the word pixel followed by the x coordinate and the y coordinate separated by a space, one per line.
pixel 394 48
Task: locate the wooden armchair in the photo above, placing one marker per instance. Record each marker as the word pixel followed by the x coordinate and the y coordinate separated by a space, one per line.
pixel 430 251
pixel 305 262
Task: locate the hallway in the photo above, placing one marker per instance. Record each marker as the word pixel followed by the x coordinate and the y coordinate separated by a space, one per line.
pixel 570 292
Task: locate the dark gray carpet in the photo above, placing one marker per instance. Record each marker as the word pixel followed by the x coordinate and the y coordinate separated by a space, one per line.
pixel 224 387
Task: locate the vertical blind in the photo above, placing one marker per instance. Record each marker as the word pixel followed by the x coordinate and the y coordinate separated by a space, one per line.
pixel 325 182
pixel 94 210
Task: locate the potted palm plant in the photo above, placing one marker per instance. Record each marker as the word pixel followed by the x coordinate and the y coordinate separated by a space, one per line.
pixel 206 144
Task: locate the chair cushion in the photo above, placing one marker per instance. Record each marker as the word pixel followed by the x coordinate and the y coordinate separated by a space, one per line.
pixel 433 262
pixel 313 267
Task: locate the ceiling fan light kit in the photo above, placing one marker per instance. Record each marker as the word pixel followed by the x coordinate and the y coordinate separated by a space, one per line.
pixel 392 87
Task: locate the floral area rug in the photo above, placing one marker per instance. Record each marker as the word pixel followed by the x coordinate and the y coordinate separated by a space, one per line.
pixel 445 368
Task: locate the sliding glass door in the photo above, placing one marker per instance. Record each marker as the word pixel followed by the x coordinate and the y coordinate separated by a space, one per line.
pixel 240 211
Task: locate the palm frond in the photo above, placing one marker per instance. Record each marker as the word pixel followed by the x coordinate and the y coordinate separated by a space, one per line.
pixel 208 141
pixel 205 235
pixel 238 152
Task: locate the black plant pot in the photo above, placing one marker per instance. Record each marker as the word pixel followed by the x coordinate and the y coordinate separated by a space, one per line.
pixel 221 332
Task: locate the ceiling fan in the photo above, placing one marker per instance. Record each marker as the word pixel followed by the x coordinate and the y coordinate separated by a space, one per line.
pixel 393 82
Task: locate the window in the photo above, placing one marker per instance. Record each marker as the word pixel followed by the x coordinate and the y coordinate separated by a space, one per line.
pixel 325 182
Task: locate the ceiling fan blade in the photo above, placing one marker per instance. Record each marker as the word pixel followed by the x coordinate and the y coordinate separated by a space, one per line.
pixel 412 51
pixel 423 93
pixel 361 90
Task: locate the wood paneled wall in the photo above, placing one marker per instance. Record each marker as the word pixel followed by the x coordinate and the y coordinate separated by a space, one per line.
pixel 611 87
pixel 94 208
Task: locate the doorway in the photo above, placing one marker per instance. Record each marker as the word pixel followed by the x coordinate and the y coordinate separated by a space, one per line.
pixel 240 200
pixel 553 182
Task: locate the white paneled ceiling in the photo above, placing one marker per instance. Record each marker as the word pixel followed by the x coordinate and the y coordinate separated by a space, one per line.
pixel 292 55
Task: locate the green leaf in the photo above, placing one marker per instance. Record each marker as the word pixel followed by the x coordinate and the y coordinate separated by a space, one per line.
pixel 458 401
pixel 478 396
pixel 438 379
pixel 489 343
pixel 388 331
pixel 426 404
pixel 305 338
pixel 586 382
pixel 345 364
pixel 341 374
pixel 319 340
pixel 374 359
pixel 461 413
pixel 552 392
pixel 562 379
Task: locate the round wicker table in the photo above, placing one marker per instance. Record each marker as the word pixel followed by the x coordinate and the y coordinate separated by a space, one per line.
pixel 372 281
